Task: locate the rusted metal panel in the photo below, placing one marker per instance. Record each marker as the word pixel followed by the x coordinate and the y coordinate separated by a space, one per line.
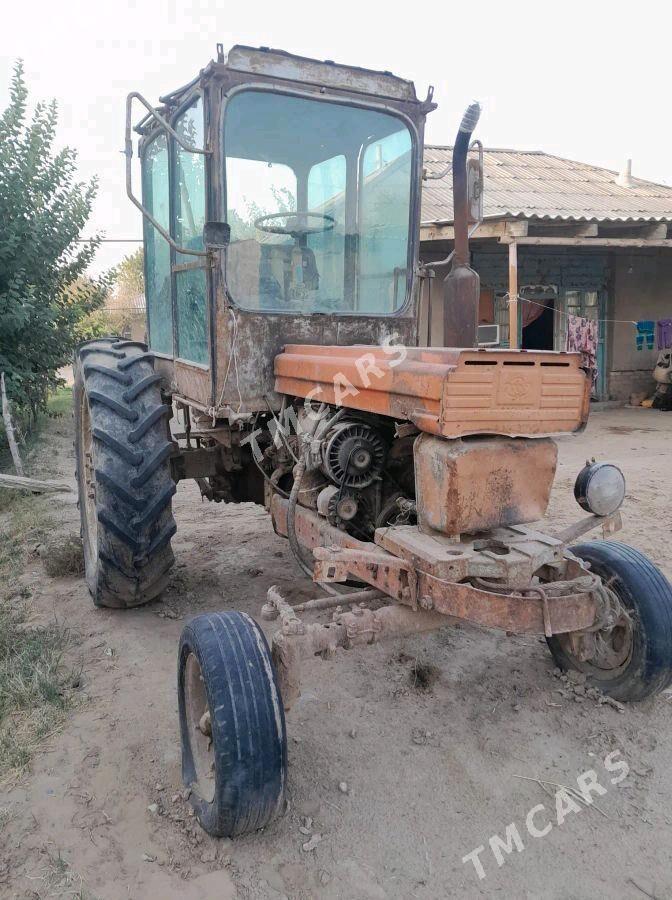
pixel 527 551
pixel 257 338
pixel 190 383
pixel 509 612
pixel 339 556
pixel 193 382
pixel 165 366
pixel 280 64
pixel 474 485
pixel 449 392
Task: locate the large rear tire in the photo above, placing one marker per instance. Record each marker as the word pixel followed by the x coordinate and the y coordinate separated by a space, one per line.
pixel 232 724
pixel 122 448
pixel 633 658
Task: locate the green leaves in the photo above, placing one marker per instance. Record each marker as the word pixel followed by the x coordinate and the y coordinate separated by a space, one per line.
pixel 44 292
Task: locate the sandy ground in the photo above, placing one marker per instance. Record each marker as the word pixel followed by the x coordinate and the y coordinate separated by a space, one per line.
pixel 431 775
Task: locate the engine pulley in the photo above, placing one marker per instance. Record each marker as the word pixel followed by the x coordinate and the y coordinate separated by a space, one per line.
pixel 339 507
pixel 353 454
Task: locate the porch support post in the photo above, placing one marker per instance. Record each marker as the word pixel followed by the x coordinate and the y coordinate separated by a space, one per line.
pixel 513 295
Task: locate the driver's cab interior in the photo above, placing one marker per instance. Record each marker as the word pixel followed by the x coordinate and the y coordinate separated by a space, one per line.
pixel 318 199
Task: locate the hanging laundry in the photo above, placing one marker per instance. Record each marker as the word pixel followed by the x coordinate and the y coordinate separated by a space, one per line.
pixel 582 338
pixel 646 332
pixel 664 329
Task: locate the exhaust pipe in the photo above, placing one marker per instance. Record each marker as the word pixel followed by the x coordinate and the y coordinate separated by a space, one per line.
pixel 461 285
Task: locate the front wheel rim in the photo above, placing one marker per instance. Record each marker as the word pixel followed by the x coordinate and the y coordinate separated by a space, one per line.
pixel 613 649
pixel 199 729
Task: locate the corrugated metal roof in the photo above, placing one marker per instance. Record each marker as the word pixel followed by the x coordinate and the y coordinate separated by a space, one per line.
pixel 117 302
pixel 535 185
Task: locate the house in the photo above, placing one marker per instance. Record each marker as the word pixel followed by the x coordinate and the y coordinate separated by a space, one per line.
pixel 560 238
pixel 127 315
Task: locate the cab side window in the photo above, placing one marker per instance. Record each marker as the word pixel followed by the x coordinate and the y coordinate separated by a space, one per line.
pixel 189 219
pixel 157 263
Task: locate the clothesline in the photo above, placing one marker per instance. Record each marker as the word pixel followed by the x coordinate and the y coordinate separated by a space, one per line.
pixel 566 314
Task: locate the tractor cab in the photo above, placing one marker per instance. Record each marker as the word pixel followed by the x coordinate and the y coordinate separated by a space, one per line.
pixel 310 174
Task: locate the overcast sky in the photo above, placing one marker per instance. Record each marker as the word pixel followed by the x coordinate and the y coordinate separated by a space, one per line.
pixel 585 80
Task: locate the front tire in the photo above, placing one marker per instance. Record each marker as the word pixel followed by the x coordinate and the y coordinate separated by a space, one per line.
pixel 634 657
pixel 232 724
pixel 124 481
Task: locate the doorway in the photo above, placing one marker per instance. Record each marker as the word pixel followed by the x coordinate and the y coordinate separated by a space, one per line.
pixel 538 317
pixel 538 335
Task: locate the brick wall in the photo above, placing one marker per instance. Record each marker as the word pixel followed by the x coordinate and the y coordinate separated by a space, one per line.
pixel 569 271
pixel 630 381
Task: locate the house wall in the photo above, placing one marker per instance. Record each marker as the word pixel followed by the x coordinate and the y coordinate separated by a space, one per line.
pixel 642 289
pixel 568 271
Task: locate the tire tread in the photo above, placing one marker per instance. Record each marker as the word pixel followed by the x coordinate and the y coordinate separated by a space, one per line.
pixel 249 739
pixel 134 486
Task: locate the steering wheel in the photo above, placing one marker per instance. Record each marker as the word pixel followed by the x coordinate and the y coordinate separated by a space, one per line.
pixel 296 224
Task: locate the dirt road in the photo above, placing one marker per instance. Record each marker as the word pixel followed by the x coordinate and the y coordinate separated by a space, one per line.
pixel 431 775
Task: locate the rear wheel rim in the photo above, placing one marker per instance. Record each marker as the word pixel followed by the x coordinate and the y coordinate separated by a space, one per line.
pixel 198 718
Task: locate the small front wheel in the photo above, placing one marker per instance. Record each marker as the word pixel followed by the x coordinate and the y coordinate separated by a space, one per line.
pixel 232 723
pixel 632 659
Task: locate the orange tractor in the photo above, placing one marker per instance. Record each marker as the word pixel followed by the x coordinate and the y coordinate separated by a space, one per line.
pixel 281 203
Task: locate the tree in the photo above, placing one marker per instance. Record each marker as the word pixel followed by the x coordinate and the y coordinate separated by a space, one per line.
pixel 129 279
pixel 44 294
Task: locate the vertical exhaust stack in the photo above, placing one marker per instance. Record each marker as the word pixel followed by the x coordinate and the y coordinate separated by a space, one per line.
pixel 462 285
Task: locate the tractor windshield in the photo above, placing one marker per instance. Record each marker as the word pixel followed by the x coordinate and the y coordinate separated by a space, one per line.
pixel 318 197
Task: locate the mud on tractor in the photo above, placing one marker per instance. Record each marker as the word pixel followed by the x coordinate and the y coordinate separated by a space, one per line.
pixel 281 205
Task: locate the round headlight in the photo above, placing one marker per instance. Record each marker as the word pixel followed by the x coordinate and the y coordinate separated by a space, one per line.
pixel 600 488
